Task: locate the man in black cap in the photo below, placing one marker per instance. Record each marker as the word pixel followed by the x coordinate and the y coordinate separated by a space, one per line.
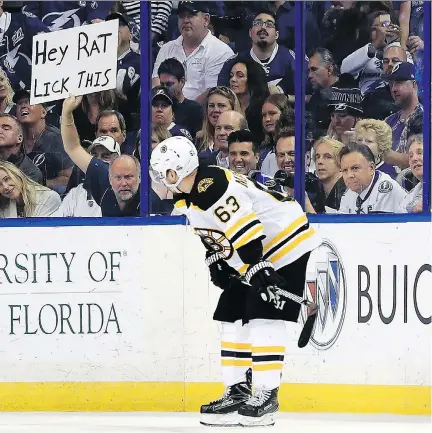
pixel 163 114
pixel 201 53
pixel 188 113
pixel 128 62
pixel 344 117
pixel 404 91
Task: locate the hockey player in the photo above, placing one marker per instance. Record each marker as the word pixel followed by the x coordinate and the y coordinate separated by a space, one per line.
pixel 251 231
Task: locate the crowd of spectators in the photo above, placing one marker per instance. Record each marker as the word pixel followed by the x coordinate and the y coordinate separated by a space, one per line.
pixel 233 64
pixel 223 75
pixel 73 157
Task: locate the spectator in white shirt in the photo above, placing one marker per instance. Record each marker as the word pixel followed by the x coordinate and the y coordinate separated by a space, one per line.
pixel 21 197
pixel 79 201
pixel 413 202
pixel 201 53
pixel 368 190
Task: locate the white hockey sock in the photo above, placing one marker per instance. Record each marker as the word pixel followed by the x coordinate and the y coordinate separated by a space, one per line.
pixel 236 355
pixel 268 339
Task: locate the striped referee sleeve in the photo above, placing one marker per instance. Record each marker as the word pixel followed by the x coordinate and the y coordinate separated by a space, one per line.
pixel 160 13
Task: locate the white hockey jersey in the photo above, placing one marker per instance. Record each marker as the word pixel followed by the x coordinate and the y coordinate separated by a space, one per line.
pixel 228 210
pixel 384 195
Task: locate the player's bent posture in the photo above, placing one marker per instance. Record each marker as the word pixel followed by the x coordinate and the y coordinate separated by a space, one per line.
pixel 251 231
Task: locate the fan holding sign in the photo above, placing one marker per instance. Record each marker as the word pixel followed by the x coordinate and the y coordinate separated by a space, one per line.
pixel 80 61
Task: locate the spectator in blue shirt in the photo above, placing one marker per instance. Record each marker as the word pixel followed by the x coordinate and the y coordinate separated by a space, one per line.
pixel 404 91
pixel 115 187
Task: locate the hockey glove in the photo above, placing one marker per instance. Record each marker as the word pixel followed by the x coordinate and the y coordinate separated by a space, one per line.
pixel 263 277
pixel 221 273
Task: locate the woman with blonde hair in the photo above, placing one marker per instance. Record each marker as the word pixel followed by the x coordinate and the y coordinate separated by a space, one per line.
pixel 20 197
pixel 219 99
pixel 327 165
pixel 377 135
pixel 6 94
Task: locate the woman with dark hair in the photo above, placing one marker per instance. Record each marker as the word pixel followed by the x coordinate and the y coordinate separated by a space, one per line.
pixel 249 82
pixel 92 105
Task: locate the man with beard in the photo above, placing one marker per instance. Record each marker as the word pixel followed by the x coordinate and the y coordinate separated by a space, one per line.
pixel 404 91
pixel 277 61
pixel 115 187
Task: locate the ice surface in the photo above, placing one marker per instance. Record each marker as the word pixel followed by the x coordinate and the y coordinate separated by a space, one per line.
pixel 155 422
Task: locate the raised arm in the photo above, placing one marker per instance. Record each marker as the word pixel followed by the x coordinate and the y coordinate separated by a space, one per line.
pixel 69 133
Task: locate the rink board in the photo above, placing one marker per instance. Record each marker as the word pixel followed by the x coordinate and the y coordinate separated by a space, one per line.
pixel 120 318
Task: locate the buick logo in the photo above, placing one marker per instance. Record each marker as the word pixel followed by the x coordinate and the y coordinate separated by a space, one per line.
pixel 326 285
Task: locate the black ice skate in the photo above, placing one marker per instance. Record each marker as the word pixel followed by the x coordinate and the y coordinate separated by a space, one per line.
pixel 223 412
pixel 260 409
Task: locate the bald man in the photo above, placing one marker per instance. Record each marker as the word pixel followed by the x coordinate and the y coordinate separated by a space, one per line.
pixel 125 179
pixel 229 121
pixel 393 54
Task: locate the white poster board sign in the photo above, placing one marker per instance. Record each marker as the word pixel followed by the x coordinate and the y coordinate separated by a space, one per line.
pixel 74 61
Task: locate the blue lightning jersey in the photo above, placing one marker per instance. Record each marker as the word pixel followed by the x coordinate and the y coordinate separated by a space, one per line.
pixel 16 34
pixel 59 15
pixel 128 75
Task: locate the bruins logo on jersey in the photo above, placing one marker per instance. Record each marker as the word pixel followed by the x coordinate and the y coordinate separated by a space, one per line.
pixel 204 184
pixel 216 241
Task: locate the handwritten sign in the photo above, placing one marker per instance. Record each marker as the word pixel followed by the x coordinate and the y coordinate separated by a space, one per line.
pixel 74 61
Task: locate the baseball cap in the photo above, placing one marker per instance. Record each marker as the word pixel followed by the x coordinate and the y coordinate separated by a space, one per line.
pixel 22 93
pixel 162 93
pixel 123 19
pixel 106 141
pixel 194 7
pixel 402 71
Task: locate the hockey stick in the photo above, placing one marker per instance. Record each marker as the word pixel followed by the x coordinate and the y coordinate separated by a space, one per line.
pixel 308 327
pixel 276 291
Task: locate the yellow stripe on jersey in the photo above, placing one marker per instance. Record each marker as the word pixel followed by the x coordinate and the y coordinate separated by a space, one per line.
pixel 268 349
pixel 253 233
pixel 242 269
pixel 285 233
pixel 195 207
pixel 267 367
pixel 236 362
pixel 227 174
pixel 291 245
pixel 240 224
pixel 238 346
pixel 180 203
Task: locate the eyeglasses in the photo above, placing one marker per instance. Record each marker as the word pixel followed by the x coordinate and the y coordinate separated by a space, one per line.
pixel 268 24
